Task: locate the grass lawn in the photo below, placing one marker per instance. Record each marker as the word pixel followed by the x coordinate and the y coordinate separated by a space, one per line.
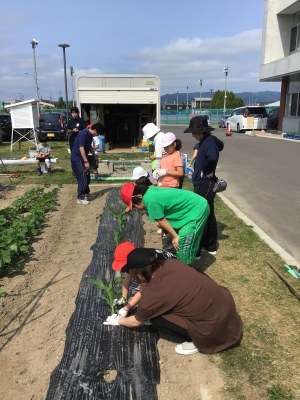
pixel 267 364
pixel 61 172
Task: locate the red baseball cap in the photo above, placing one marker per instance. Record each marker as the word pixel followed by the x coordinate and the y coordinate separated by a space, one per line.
pixel 120 255
pixel 126 193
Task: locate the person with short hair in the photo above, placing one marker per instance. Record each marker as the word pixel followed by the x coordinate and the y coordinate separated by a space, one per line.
pixel 43 154
pixel 79 160
pixel 74 126
pixel 181 301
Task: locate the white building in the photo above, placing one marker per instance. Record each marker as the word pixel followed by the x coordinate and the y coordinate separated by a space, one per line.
pixel 280 60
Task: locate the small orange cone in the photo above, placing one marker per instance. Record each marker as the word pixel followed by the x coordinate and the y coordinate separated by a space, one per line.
pixel 228 130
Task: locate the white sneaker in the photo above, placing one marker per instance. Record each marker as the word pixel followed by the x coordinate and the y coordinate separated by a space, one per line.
pixel 213 253
pixel 186 348
pixel 83 202
pixel 159 231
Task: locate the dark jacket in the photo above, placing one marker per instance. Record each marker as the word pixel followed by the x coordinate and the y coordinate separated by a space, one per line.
pixel 207 160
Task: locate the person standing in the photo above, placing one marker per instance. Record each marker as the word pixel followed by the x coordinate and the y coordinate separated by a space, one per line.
pixel 171 164
pixel 151 131
pixel 79 160
pixel 74 126
pixel 204 177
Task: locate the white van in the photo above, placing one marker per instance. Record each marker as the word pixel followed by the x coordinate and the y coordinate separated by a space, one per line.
pixel 247 118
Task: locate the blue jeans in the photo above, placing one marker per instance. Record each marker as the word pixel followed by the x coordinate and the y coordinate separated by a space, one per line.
pixel 83 178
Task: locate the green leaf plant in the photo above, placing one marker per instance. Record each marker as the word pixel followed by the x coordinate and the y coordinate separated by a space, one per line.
pixel 109 291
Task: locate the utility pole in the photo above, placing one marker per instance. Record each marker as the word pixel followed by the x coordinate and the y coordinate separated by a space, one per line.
pixel 72 83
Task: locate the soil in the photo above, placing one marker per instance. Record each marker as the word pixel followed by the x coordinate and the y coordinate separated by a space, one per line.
pixel 41 300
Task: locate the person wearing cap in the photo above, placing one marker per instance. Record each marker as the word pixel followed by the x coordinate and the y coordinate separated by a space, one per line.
pixel 181 301
pixel 204 175
pixel 74 126
pixel 138 172
pixel 181 213
pixel 120 259
pixel 79 160
pixel 171 165
pixel 151 131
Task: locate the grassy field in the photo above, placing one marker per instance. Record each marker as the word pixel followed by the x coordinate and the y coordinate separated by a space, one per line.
pixel 61 172
pixel 267 364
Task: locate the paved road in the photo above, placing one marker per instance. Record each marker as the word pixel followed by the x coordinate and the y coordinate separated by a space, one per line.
pixel 263 177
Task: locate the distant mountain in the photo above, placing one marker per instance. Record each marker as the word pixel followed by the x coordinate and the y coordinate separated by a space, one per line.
pixel 248 97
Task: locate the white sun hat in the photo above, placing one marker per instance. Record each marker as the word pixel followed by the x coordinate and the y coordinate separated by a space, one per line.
pixel 167 139
pixel 150 130
pixel 138 172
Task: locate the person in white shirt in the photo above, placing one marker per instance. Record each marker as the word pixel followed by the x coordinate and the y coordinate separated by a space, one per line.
pixel 151 131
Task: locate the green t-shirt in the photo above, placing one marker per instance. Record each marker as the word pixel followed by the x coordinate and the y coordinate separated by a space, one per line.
pixel 178 206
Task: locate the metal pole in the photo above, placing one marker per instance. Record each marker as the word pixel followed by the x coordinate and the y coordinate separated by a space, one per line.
pixel 200 102
pixel 211 96
pixel 72 83
pixel 225 92
pixel 65 76
pixel 34 43
pixel 187 97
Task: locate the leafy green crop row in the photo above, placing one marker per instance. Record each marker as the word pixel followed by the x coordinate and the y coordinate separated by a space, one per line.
pixel 20 222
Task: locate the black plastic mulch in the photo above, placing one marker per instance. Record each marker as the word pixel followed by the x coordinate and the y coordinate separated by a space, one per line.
pixel 92 348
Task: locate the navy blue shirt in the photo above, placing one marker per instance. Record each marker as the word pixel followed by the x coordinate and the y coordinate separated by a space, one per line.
pixel 83 139
pixel 207 160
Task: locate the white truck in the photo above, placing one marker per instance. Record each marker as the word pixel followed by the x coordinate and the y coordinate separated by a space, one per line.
pixel 122 103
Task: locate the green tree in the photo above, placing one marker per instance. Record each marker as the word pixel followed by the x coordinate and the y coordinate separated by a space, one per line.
pixel 232 101
pixel 61 103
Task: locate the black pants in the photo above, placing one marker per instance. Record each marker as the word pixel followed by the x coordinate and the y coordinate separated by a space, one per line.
pixel 160 323
pixel 210 234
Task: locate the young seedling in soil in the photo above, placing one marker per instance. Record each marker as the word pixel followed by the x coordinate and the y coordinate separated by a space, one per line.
pixel 109 291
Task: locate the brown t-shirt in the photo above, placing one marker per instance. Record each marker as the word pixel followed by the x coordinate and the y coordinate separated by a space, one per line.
pixel 192 300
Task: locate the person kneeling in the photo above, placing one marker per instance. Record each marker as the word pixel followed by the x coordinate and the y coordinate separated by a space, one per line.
pixel 179 300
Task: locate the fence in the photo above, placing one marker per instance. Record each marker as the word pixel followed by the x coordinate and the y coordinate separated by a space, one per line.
pixel 171 117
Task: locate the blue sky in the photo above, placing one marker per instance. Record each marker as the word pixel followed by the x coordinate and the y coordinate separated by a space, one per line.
pixel 181 42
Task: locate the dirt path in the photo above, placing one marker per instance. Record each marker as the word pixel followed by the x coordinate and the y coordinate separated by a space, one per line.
pixel 41 300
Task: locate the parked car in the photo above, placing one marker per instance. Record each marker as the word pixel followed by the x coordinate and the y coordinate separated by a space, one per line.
pixel 272 119
pixel 5 126
pixel 239 122
pixel 222 122
pixel 53 124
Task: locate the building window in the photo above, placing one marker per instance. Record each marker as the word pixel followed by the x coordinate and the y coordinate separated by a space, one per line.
pixel 295 38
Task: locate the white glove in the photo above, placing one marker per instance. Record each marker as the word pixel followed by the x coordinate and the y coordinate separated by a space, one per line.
pixel 120 301
pixel 154 174
pixel 161 172
pixel 112 320
pixel 122 312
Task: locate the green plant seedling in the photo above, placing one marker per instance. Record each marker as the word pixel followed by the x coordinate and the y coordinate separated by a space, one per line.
pixel 109 291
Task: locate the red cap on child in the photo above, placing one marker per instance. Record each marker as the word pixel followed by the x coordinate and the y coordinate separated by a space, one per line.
pixel 126 193
pixel 120 255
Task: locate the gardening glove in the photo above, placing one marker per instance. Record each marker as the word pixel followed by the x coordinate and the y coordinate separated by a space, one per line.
pixel 161 172
pixel 155 175
pixel 122 312
pixel 120 301
pixel 112 320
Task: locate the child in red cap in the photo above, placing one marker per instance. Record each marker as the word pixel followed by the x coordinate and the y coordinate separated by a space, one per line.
pixel 120 260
